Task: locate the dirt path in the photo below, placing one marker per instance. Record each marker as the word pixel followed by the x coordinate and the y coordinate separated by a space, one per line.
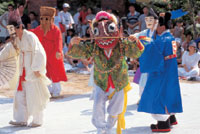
pixel 76 84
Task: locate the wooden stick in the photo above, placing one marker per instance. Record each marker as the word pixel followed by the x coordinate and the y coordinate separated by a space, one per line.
pixel 102 38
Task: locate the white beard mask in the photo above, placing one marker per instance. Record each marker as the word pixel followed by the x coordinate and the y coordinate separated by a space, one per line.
pixel 149 22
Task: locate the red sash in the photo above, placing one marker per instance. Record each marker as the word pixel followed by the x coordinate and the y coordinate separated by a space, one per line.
pixel 110 83
pixel 21 79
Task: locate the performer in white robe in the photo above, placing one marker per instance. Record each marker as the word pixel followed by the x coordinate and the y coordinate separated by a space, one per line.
pixel 32 93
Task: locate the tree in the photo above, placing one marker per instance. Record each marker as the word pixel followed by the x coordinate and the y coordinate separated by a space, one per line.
pixel 4 5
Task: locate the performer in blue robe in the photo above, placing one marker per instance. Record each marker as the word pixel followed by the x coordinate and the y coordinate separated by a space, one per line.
pixel 161 96
pixel 151 21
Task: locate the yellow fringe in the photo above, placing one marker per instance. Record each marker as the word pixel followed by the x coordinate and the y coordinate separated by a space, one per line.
pixel 121 119
pixel 111 95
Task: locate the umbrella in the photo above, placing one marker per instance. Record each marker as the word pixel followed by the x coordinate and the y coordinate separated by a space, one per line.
pixel 7 70
pixel 178 13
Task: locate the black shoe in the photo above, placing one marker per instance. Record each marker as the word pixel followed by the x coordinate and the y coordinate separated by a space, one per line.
pixel 161 126
pixel 192 79
pixel 172 120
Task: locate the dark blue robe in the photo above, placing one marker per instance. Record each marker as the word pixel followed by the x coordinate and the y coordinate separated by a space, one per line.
pixel 162 91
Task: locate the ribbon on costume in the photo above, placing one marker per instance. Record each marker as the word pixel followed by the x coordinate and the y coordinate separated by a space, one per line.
pixel 121 119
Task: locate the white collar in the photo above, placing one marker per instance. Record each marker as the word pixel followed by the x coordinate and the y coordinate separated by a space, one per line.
pixel 166 31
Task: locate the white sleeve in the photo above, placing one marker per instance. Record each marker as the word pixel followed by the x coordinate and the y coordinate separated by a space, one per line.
pixel 3 16
pixel 71 19
pixel 183 57
pixel 39 55
pixel 7 52
pixel 142 33
pixel 140 18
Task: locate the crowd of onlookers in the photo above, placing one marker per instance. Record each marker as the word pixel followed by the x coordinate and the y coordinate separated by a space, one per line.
pixel 188 49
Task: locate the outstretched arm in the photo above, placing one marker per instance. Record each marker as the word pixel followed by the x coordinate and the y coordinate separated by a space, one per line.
pixel 132 48
pixel 80 50
pixel 7 52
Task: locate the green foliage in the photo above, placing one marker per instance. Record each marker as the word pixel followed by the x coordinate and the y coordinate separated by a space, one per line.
pixel 192 6
pixel 4 6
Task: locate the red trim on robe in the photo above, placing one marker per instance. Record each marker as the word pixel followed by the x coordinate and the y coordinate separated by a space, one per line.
pixel 21 79
pixel 140 46
pixel 110 83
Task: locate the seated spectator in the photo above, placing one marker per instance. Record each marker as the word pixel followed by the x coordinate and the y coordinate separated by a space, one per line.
pixel 25 18
pixel 77 26
pixel 82 19
pixel 34 22
pixel 179 51
pixel 142 23
pixel 198 46
pixel 178 29
pixel 187 41
pixel 109 9
pixel 90 16
pixel 66 15
pixel 190 61
pixel 70 34
pixel 132 19
pixel 4 18
pixel 58 19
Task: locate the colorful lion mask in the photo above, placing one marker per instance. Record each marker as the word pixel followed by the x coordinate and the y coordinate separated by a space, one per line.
pixel 105 25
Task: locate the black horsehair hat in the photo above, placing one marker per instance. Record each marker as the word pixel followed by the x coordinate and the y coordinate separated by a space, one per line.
pixel 152 13
pixel 165 20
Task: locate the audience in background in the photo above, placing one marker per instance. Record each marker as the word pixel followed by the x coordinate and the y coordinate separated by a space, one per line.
pixel 142 23
pixel 190 59
pixel 25 19
pixel 77 26
pixel 34 22
pixel 132 19
pixel 187 51
pixel 82 19
pixel 178 29
pixel 187 41
pixel 179 51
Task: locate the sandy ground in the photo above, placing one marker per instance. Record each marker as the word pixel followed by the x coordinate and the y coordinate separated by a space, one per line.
pixel 77 84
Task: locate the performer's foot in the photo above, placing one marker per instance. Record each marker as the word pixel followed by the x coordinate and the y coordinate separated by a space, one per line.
pixel 18 123
pixel 161 126
pixel 34 125
pixel 173 120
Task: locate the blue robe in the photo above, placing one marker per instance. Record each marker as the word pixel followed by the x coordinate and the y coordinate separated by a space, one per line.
pixel 162 91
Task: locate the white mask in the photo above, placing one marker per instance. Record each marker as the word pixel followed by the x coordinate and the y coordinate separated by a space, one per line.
pixel 149 22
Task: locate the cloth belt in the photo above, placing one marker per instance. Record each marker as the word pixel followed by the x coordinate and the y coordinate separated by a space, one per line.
pixel 170 57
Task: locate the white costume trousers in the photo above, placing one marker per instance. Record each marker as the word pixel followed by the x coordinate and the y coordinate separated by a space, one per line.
pixel 161 117
pixel 142 82
pixel 114 108
pixel 20 110
pixel 55 89
pixel 192 73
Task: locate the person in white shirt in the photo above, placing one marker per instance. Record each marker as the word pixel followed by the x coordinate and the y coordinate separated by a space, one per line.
pixel 190 61
pixel 67 16
pixel 77 26
pixel 58 19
